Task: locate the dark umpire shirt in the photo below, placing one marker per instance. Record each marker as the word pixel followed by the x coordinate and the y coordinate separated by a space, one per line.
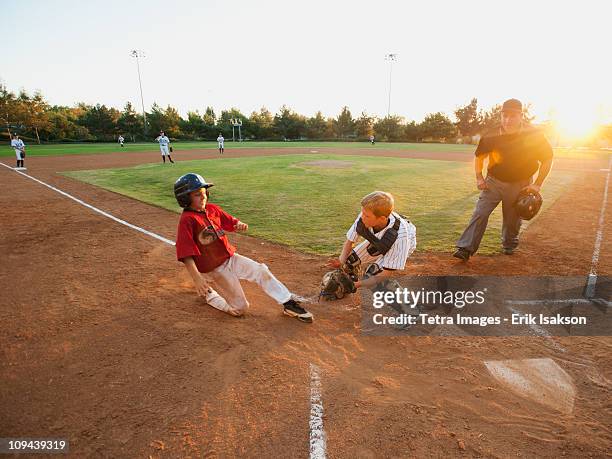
pixel 514 157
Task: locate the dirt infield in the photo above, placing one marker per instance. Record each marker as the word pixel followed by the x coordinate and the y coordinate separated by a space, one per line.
pixel 105 344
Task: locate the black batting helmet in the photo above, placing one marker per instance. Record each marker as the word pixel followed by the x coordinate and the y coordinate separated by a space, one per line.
pixel 186 184
pixel 528 204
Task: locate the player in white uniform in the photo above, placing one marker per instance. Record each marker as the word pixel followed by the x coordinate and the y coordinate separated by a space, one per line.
pixel 164 143
pixel 120 139
pixel 19 147
pixel 376 219
pixel 372 139
pixel 220 141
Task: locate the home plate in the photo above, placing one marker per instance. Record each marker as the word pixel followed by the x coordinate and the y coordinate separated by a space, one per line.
pixel 541 380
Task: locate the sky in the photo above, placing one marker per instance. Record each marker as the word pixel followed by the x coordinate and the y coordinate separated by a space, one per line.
pixel 315 55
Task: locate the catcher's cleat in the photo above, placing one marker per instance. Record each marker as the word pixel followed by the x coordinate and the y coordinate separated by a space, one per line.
pixel 293 309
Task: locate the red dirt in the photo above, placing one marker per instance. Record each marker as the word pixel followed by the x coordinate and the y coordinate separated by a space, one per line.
pixel 105 343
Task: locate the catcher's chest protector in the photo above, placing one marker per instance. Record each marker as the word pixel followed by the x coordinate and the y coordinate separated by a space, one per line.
pixel 379 246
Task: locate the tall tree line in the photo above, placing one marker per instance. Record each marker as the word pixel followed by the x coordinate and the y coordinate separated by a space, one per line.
pixel 33 117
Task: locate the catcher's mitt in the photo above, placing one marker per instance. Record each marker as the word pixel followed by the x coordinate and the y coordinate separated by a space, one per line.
pixel 336 284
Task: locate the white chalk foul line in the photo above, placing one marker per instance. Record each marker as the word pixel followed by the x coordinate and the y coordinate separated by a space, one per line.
pixel 317 434
pixel 592 280
pixel 95 209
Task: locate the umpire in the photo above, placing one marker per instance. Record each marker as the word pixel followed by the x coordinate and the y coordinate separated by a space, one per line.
pixel 515 152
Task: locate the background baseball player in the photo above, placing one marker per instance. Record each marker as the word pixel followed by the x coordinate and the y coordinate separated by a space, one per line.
pixel 164 145
pixel 203 246
pixel 389 240
pixel 120 139
pixel 220 141
pixel 19 147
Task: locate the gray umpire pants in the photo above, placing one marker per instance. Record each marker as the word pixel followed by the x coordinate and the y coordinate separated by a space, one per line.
pixel 496 192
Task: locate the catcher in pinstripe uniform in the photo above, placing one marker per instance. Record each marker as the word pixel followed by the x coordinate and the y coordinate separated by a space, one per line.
pixel 388 240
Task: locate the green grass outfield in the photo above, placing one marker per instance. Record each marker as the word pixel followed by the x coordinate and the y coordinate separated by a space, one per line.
pixel 102 148
pixel 288 199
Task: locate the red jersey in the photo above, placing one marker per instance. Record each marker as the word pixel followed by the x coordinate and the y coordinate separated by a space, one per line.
pixel 201 235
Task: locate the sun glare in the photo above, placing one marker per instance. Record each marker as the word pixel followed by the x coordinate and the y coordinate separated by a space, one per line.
pixel 578 124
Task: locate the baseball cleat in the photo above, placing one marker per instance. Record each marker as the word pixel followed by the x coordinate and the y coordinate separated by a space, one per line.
pixel 508 251
pixel 300 299
pixel 293 309
pixel 462 254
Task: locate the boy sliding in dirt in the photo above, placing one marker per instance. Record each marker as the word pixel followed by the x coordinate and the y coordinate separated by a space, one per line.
pixel 202 245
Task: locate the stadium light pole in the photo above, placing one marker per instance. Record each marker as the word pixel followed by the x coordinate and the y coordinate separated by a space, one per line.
pixel 138 54
pixel 236 123
pixel 391 57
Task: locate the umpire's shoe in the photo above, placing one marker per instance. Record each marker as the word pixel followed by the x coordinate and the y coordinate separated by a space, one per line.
pixel 293 309
pixel 462 253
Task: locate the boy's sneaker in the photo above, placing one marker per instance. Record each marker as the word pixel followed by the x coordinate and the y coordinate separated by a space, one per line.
pixel 300 299
pixel 293 309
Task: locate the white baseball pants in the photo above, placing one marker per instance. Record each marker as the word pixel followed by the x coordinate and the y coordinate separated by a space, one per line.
pixel 226 279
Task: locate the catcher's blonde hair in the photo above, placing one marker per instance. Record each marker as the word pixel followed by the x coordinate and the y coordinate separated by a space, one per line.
pixel 380 203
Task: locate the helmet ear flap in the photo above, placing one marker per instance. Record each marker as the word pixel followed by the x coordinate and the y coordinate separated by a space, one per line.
pixel 185 201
